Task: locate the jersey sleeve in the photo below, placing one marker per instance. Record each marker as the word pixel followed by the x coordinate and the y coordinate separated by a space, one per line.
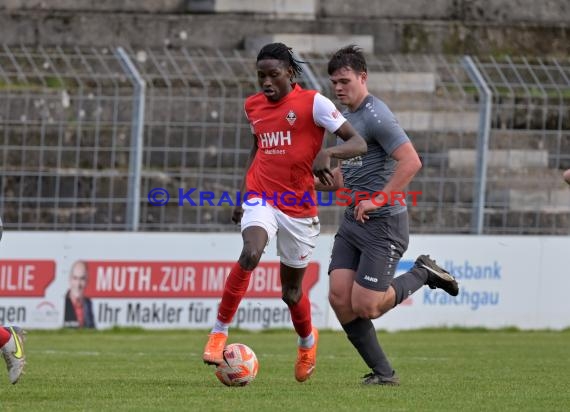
pixel 326 114
pixel 245 111
pixel 386 129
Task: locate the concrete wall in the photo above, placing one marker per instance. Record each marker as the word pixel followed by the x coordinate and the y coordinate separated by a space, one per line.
pixel 512 11
pixel 129 6
pixel 230 31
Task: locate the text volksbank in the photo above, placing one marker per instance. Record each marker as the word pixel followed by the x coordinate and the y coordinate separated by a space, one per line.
pixel 341 197
pixel 468 274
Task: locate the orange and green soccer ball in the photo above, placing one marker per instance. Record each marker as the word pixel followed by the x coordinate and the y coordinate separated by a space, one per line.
pixel 240 365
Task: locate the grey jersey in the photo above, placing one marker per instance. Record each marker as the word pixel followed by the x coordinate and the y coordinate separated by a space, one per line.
pixel 378 126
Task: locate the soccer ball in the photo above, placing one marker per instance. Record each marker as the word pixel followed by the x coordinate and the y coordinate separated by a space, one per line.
pixel 239 367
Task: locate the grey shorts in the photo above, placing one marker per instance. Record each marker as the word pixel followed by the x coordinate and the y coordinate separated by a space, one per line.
pixel 372 249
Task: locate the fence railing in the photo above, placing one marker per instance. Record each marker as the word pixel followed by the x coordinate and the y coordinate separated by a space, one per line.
pixel 87 133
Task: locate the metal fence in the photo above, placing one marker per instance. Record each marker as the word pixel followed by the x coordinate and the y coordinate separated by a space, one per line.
pixel 87 133
pixel 528 146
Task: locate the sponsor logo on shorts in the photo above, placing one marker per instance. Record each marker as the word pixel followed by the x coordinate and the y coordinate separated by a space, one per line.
pixel 370 279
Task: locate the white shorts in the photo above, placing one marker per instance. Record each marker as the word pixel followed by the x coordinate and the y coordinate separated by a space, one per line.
pixel 296 237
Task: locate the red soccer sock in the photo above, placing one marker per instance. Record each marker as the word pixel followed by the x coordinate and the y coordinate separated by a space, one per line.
pixel 301 316
pixel 235 288
pixel 4 336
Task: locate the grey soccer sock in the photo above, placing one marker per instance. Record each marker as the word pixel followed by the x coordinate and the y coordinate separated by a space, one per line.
pixel 362 335
pixel 406 284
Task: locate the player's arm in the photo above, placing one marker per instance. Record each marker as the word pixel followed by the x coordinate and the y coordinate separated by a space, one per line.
pixel 238 210
pixel 390 135
pixel 566 176
pixel 326 115
pixel 354 145
pixel 338 182
pixel 408 165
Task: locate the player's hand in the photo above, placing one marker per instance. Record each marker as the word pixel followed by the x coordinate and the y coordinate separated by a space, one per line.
pixel 362 209
pixel 322 168
pixel 566 176
pixel 237 213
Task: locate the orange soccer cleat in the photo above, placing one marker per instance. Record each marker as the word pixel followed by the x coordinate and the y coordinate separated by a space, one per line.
pixel 306 360
pixel 214 350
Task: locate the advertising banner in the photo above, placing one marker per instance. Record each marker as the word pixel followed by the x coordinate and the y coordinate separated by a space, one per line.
pixel 101 280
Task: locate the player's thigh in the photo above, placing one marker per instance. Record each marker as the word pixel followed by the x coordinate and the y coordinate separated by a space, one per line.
pixel 345 254
pixel 258 214
pixel 296 239
pixel 371 304
pixel 342 269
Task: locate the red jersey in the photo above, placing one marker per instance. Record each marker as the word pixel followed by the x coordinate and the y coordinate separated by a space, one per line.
pixel 289 135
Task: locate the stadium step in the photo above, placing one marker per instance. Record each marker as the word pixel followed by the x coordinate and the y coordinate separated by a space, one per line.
pixel 551 201
pixel 447 121
pixel 305 9
pixel 509 159
pixel 402 82
pixel 310 43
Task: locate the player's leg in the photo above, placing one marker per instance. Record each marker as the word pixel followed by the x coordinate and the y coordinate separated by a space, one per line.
pixel 424 272
pixel 12 348
pixel 258 227
pixel 365 249
pixel 12 345
pixel 300 307
pixel 359 330
pixel 295 243
pixel 436 276
pixel 377 291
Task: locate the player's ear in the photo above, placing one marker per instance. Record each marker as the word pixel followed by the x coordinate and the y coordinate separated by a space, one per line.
pixel 364 76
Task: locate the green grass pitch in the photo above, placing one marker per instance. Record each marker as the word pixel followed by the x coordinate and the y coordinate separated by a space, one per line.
pixel 440 370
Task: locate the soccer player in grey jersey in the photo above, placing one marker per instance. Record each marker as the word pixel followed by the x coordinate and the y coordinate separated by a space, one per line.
pixel 373 236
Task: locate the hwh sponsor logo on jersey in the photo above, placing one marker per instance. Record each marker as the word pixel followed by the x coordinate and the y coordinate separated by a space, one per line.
pixel 273 139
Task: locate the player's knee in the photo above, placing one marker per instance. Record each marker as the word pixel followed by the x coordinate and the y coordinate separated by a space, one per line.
pixel 291 295
pixel 249 258
pixel 366 310
pixel 338 300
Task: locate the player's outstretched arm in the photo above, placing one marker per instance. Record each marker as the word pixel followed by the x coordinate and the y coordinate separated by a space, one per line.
pixel 354 145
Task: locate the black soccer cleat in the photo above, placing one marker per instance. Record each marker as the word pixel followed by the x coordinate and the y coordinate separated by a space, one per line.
pixel 375 379
pixel 437 276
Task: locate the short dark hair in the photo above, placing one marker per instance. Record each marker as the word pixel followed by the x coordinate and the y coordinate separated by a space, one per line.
pixel 280 51
pixel 350 56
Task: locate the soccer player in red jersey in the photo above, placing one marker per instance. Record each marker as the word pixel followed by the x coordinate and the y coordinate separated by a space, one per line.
pixel 288 125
